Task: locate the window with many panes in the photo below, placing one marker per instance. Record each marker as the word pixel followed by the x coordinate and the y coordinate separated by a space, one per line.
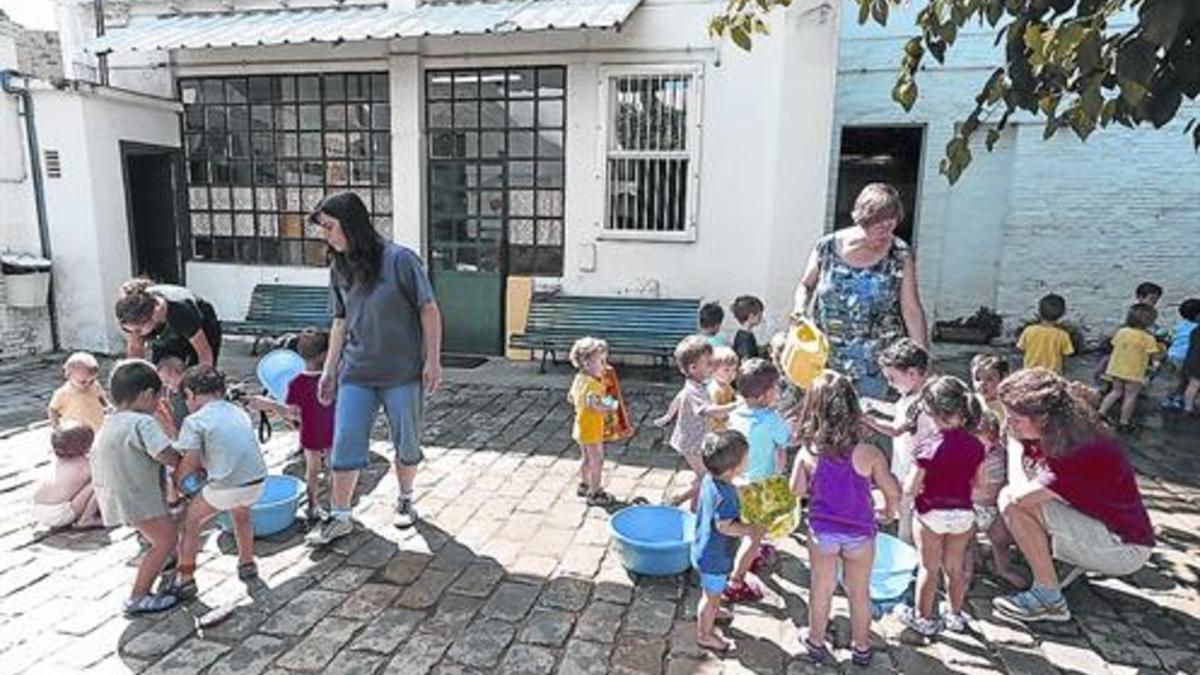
pixel 496 169
pixel 262 151
pixel 652 142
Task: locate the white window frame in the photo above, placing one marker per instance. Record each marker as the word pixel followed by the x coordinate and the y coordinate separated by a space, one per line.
pixel 694 102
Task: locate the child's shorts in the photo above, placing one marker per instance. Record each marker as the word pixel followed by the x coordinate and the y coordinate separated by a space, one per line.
pixel 227 499
pixel 54 515
pixel 836 543
pixel 713 583
pixel 985 516
pixel 949 521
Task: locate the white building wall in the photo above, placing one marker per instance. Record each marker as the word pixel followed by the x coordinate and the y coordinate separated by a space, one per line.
pixel 1086 220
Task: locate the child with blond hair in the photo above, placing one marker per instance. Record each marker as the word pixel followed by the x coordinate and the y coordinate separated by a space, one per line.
pixel 80 398
pixel 836 471
pixel 64 496
pixel 1133 348
pixel 720 387
pixel 591 405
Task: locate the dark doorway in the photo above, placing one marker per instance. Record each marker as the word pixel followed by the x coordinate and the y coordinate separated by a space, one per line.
pixel 152 203
pixel 880 155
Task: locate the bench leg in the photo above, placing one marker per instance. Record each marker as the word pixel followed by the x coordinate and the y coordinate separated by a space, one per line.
pixel 542 366
pixel 254 346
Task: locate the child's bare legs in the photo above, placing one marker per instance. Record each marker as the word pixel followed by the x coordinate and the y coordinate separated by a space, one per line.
pixel 820 599
pixel 1113 395
pixel 1189 395
pixel 706 617
pixel 954 550
pixel 1129 401
pixel 593 466
pixel 1002 543
pixel 747 552
pixel 313 462
pixel 856 574
pixel 160 532
pixel 243 534
pixel 85 507
pixel 929 546
pixel 693 493
pixel 198 513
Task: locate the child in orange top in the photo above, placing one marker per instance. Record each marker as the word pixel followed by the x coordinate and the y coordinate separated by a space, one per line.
pixel 80 398
pixel 1132 349
pixel 1046 343
pixel 720 387
pixel 591 405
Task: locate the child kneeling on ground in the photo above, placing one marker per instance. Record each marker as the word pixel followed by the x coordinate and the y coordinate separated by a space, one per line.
pixel 127 463
pixel 218 437
pixel 717 531
pixel 836 470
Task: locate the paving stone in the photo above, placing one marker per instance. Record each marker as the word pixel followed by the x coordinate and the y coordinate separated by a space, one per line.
pixel 452 615
pixel 527 660
pixel 316 650
pixel 482 643
pixel 534 567
pixel 647 615
pixel 425 591
pixel 478 579
pixel 585 658
pixel 599 622
pixel 406 567
pixel 1076 656
pixel 244 621
pixel 695 666
pixel 547 627
pixel 159 639
pixel 1179 661
pixel 511 601
pixel 1024 661
pixel 385 633
pixel 448 667
pixel 347 579
pixel 419 655
pixel 566 593
pixel 368 601
pixel 617 593
pixel 643 656
pixel 353 663
pixel 189 658
pixel 250 656
pixel 304 612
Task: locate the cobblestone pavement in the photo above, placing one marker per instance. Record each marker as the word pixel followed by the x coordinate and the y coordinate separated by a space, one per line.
pixel 510 573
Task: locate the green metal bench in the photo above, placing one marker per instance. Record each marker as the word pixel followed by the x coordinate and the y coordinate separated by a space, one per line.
pixel 637 326
pixel 277 309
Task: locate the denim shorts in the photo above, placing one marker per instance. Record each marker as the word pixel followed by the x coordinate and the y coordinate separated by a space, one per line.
pixel 354 415
pixel 713 583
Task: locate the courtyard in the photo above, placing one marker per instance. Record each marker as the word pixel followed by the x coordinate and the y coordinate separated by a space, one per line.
pixel 509 572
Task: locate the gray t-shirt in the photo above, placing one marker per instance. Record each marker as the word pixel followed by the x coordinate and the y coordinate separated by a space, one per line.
pixel 384 342
pixel 223 434
pixel 126 474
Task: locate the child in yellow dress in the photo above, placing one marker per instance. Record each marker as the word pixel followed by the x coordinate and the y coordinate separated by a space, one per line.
pixel 720 387
pixel 1133 347
pixel 591 405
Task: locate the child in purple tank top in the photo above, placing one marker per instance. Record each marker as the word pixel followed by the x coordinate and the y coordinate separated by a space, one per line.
pixel 837 472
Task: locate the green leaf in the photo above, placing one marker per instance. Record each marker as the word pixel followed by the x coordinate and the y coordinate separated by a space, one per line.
pixel 879 12
pixel 740 37
pixel 1133 92
pixel 995 10
pixel 993 137
pixel 864 11
pixel 1087 53
pixel 913 48
pixel 1196 139
pixel 1163 105
pixel 1162 19
pixel 905 93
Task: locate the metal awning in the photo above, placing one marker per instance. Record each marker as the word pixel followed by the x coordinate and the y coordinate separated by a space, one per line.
pixel 357 22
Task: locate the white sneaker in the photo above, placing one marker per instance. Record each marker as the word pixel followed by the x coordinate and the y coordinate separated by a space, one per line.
pixel 406 513
pixel 334 528
pixel 955 622
pixel 925 627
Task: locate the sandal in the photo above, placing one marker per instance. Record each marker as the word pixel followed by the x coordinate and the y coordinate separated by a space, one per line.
pixel 741 592
pixel 600 498
pixel 817 654
pixel 718 646
pixel 247 570
pixel 183 591
pixel 862 657
pixel 582 490
pixel 150 604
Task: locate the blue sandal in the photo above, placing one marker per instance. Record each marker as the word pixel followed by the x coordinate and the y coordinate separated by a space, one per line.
pixel 150 604
pixel 861 657
pixel 817 654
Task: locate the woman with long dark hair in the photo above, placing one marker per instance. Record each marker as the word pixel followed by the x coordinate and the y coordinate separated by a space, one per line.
pixel 384 350
pixel 167 320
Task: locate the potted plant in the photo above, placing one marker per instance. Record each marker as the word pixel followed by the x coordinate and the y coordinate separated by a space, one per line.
pixel 978 329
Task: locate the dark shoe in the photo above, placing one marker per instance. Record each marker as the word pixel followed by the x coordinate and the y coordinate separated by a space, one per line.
pixel 150 604
pixel 184 591
pixel 247 571
pixel 600 498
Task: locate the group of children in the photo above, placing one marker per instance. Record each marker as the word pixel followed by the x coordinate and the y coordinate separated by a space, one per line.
pixel 163 435
pixel 1137 350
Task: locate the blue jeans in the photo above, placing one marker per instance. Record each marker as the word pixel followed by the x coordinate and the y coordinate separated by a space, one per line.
pixel 354 415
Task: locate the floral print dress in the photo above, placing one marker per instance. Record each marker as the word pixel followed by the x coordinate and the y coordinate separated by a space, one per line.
pixel 859 310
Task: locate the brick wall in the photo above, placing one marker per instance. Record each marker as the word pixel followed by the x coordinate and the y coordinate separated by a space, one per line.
pixel 38 51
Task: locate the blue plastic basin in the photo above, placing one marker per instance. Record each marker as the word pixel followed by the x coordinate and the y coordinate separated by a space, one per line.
pixel 895 564
pixel 275 509
pixel 653 540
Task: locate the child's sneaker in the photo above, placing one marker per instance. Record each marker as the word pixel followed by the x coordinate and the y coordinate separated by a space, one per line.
pixel 922 626
pixel 1173 402
pixel 330 530
pixel 150 604
pixel 406 513
pixel 955 622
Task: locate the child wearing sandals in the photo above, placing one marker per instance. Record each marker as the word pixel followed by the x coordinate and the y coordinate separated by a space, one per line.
pixel 717 531
pixel 218 437
pixel 591 405
pixel 945 470
pixel 836 471
pixel 127 462
pixel 692 409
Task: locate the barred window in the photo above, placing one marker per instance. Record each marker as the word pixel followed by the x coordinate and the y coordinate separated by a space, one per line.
pixel 652 149
pixel 262 151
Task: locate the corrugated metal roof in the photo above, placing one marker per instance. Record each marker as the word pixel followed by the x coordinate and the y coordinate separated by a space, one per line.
pixel 354 23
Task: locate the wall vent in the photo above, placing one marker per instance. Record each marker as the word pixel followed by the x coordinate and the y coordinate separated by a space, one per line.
pixel 53 164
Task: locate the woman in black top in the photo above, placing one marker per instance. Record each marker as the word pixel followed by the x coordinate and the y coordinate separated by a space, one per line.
pixel 170 320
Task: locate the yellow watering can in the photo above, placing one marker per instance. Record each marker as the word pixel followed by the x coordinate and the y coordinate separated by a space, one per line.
pixel 805 353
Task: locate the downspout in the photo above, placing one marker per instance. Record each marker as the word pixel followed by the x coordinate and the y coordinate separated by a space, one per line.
pixel 101 59
pixel 39 191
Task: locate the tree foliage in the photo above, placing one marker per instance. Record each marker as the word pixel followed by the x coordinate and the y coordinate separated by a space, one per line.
pixel 1066 62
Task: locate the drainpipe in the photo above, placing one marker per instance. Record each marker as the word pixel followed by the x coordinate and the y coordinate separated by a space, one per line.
pixel 39 193
pixel 101 59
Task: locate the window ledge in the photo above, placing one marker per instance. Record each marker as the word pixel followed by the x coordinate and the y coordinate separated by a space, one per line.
pixel 686 237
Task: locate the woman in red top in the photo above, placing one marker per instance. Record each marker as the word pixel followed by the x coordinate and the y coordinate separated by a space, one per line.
pixel 1081 505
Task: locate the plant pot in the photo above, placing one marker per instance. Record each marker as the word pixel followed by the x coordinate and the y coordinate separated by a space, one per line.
pixel 969 335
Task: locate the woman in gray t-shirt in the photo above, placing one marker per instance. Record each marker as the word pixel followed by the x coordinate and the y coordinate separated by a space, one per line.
pixel 384 350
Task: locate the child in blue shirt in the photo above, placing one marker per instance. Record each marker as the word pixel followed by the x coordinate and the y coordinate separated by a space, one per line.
pixel 1177 350
pixel 718 530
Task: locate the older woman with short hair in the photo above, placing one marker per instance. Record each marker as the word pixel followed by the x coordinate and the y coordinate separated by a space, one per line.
pixel 1079 501
pixel 860 287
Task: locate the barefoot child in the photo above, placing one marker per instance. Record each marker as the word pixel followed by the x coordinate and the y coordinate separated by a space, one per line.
pixel 717 530
pixel 219 438
pixel 64 497
pixel 591 405
pixel 691 409
pixel 720 386
pixel 985 496
pixel 80 398
pixel 316 420
pixel 836 471
pixel 945 470
pixel 1133 348
pixel 126 474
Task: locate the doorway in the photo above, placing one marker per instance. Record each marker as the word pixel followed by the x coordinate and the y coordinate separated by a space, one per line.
pixel 152 202
pixel 880 155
